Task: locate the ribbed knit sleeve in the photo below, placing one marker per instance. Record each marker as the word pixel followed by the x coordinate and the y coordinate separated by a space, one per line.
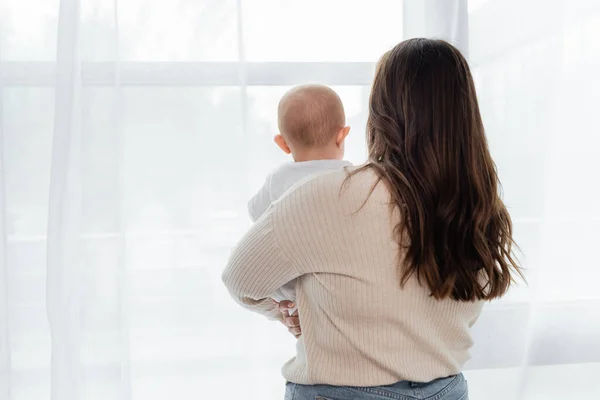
pixel 257 268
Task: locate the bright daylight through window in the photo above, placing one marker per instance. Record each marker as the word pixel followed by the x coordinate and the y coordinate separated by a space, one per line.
pixel 133 133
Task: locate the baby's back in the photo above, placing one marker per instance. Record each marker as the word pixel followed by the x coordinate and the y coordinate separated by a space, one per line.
pixel 289 174
pixel 283 178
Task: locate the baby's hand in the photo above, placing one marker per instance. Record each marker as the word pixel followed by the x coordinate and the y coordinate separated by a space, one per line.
pixel 292 322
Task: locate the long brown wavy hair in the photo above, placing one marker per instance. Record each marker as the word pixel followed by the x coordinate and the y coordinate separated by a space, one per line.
pixel 427 143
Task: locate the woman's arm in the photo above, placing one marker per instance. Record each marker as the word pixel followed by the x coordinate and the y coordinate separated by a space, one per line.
pixel 257 268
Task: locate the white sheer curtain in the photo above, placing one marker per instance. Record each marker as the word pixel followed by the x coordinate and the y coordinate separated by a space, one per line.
pixel 133 131
pixel 536 66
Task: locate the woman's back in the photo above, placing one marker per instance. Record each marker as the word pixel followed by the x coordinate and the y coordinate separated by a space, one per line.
pixel 360 327
pixel 394 258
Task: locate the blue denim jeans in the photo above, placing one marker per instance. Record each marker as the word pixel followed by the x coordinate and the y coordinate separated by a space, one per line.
pixel 451 388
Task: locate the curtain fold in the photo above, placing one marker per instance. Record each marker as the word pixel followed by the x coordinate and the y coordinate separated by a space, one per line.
pixel 444 19
pixel 5 364
pixel 123 277
pixel 68 241
pixel 63 259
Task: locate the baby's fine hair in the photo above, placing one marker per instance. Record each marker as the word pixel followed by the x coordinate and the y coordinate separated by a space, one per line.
pixel 310 115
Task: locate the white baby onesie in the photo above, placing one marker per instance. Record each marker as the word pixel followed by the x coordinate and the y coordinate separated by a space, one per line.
pixel 276 184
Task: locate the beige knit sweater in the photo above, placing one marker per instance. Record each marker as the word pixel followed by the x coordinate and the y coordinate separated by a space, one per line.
pixel 359 327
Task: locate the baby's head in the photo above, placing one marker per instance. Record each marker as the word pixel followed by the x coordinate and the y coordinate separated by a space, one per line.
pixel 312 124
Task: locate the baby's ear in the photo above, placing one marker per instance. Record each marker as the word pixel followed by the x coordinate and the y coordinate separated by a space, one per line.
pixel 280 141
pixel 342 134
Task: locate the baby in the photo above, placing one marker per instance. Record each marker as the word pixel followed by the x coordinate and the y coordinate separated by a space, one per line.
pixel 312 127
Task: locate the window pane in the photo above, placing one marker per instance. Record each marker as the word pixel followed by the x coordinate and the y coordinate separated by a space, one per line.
pixel 28 30
pixel 315 30
pixel 545 156
pixel 183 153
pixel 28 123
pixel 178 30
pixel 538 91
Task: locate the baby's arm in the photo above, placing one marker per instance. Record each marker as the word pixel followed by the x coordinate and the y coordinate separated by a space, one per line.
pixel 261 201
pixel 286 292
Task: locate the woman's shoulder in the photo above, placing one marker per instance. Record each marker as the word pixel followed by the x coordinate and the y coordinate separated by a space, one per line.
pixel 349 179
pixel 347 186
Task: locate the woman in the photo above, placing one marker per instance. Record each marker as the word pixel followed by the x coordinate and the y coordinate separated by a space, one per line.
pixel 394 259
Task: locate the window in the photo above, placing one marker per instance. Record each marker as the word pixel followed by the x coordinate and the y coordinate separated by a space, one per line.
pixel 174 125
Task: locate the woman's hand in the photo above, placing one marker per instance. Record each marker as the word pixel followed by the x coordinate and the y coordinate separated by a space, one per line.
pixel 292 322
